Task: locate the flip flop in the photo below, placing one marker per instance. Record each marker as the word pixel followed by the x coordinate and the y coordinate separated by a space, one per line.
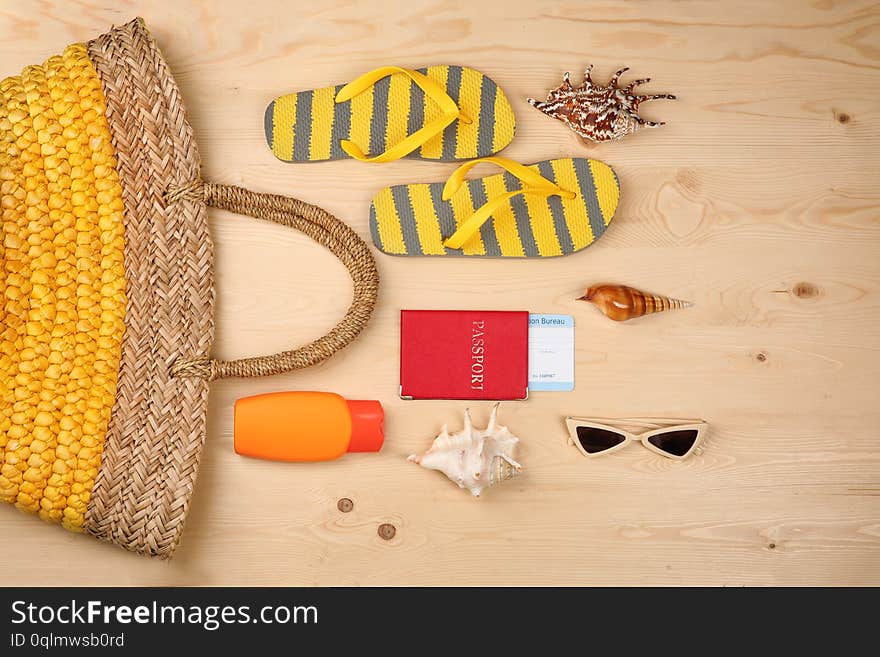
pixel 551 208
pixel 435 113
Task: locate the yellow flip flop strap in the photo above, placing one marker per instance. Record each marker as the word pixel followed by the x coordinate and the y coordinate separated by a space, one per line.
pixel 432 90
pixel 533 183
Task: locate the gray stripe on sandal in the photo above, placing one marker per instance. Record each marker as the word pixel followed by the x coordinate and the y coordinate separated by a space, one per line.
pixel 374 229
pixel 302 130
pixel 341 126
pixel 269 123
pixel 487 230
pixel 416 117
pixel 445 218
pixel 450 134
pixel 521 212
pixel 379 122
pixel 486 132
pixel 403 205
pixel 557 211
pixel 588 189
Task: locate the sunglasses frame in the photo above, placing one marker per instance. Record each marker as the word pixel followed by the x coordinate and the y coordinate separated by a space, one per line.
pixel 653 427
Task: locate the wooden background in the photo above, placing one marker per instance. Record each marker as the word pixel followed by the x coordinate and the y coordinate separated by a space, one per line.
pixel 758 201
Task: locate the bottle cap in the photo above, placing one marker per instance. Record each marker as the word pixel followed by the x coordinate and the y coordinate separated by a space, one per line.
pixel 367 425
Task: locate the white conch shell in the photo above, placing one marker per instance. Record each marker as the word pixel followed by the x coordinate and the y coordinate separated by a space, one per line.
pixel 473 458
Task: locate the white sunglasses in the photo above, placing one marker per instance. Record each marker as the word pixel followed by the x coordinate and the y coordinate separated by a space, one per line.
pixel 675 439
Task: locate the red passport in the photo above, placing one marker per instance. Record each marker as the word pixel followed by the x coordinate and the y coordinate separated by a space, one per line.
pixel 464 354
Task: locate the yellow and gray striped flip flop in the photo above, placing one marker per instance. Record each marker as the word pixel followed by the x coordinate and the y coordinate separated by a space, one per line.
pixel 434 113
pixel 551 208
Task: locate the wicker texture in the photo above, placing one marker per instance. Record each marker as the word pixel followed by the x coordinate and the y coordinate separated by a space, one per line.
pixel 157 428
pixel 130 221
pixel 322 227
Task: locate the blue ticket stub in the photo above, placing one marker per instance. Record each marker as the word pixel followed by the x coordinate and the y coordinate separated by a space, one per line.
pixel 551 353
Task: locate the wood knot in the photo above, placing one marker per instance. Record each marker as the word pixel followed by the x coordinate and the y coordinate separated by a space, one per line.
pixel 688 180
pixel 387 531
pixel 805 290
pixel 772 546
pixel 760 357
pixel 345 505
pixel 843 117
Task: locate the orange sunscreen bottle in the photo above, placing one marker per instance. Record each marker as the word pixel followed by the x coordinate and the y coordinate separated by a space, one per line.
pixel 306 426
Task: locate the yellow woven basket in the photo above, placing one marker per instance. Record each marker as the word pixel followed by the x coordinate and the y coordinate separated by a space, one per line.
pixel 106 296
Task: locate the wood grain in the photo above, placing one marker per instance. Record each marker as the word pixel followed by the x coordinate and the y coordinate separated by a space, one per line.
pixel 758 201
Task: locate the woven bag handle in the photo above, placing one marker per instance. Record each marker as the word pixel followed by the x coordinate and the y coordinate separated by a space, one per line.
pixel 322 227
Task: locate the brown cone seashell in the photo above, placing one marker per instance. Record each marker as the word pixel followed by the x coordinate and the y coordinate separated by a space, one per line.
pixel 620 302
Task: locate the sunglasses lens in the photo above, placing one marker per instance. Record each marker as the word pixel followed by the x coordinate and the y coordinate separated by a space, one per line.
pixel 677 443
pixel 595 440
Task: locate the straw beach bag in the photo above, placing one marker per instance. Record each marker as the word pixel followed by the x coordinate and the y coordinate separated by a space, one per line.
pixel 106 294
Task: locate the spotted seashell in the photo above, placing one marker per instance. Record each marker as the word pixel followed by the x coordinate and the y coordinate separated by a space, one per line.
pixel 599 113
